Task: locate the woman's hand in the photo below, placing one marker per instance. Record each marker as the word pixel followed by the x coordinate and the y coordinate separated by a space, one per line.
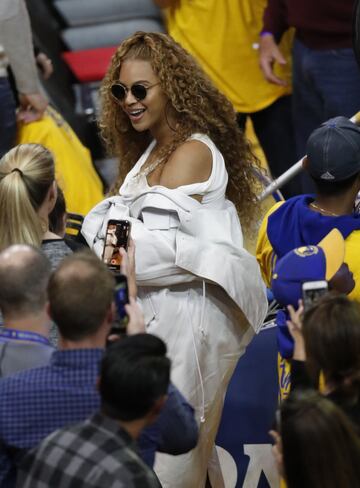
pixel 136 324
pixel 128 267
pixel 295 329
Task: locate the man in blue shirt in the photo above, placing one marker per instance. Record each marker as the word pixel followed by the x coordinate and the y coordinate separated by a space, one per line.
pixel 100 452
pixel 24 276
pixel 37 402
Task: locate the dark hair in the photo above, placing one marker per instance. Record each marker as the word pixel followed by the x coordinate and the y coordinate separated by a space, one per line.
pixel 56 216
pixel 331 331
pixel 329 188
pixel 135 372
pixel 319 443
pixel 80 294
pixel 24 277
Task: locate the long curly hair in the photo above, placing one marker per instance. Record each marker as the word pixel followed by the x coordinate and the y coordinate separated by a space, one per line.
pixel 199 107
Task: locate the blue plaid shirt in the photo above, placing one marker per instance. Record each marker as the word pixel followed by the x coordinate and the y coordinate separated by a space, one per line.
pixel 36 402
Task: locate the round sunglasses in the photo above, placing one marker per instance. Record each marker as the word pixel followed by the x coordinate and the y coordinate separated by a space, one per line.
pixel 139 91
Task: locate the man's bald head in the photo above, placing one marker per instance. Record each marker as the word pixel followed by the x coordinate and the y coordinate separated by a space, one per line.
pixel 24 277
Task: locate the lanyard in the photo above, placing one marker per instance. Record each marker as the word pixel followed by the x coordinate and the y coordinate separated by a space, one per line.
pixel 20 335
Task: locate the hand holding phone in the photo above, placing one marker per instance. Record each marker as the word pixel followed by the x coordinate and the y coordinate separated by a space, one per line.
pixel 121 299
pixel 117 237
pixel 312 291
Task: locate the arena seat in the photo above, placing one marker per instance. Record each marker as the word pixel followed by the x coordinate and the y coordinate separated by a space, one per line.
pixel 91 64
pixel 105 35
pixel 82 12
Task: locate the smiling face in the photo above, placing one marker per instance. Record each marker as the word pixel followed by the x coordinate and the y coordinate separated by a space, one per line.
pixel 148 113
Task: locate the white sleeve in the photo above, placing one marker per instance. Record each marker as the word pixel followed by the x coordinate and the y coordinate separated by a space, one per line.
pixel 154 237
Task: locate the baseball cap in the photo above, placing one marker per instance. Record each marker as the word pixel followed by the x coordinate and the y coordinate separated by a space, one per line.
pixel 307 263
pixel 333 150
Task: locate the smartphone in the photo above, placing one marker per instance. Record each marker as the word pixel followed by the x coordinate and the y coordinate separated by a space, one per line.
pixel 312 291
pixel 117 236
pixel 121 298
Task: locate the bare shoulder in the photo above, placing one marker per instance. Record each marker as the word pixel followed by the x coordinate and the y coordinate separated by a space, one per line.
pixel 190 163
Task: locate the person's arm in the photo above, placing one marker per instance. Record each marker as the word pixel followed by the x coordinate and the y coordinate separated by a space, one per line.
pixel 299 375
pixel 274 25
pixel 166 3
pixel 275 18
pixel 295 329
pixel 175 430
pixel 128 267
pixel 15 36
pixel 264 251
pixel 190 163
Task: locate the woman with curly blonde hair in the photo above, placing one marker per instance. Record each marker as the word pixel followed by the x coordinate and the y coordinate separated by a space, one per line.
pixel 180 152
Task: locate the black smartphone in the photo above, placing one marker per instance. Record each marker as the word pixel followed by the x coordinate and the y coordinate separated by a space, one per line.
pixel 117 236
pixel 312 291
pixel 121 298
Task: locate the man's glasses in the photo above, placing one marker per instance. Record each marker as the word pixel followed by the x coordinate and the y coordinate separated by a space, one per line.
pixel 119 91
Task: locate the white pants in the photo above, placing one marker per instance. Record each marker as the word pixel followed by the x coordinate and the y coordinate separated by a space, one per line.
pixel 205 337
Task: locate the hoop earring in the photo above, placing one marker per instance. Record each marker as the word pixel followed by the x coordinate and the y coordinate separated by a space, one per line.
pixel 166 117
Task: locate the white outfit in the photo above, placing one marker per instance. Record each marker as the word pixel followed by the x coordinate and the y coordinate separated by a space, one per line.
pixel 200 290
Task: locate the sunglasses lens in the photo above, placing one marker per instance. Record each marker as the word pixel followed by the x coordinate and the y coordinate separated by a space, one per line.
pixel 118 92
pixel 139 91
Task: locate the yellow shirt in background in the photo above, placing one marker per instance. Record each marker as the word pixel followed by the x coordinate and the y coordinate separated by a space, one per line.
pixel 74 170
pixel 223 36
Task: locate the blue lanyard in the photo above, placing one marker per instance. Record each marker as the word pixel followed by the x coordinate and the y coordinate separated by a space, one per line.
pixel 20 335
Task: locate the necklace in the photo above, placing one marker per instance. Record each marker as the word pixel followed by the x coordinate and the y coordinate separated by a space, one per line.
pixel 332 214
pixel 149 169
pixel 154 155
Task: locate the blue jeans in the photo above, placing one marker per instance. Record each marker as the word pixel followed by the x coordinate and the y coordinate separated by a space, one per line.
pixel 326 83
pixel 7 117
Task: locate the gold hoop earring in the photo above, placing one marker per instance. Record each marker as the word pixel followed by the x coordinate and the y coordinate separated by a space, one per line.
pixel 166 117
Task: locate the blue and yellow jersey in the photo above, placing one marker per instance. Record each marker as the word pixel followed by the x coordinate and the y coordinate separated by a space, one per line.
pixel 291 224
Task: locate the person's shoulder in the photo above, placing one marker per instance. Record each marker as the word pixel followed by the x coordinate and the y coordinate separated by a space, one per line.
pixel 131 467
pixel 273 209
pixel 24 377
pixel 55 250
pixel 190 163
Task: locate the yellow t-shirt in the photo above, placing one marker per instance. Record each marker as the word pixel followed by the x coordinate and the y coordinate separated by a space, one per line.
pixel 223 36
pixel 75 173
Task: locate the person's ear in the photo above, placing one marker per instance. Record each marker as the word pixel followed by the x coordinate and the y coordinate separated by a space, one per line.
pixel 305 163
pixel 52 196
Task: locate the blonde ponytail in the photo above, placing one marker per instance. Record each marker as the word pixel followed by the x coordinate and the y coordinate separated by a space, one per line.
pixel 26 174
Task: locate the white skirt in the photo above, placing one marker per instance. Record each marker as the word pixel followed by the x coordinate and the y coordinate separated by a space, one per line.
pixel 205 337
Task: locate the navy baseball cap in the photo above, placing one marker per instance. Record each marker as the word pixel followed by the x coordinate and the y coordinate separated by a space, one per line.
pixel 333 150
pixel 307 263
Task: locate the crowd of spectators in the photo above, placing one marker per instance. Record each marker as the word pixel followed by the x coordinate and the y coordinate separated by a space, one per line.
pixel 82 405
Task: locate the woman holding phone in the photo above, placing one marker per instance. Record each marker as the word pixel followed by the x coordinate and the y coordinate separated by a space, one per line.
pixel 181 157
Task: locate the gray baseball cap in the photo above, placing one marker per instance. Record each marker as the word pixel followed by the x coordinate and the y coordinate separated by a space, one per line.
pixel 333 150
